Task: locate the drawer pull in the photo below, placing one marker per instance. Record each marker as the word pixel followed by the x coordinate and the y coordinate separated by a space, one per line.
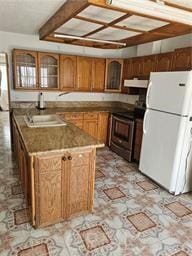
pixel 64 158
pixel 69 157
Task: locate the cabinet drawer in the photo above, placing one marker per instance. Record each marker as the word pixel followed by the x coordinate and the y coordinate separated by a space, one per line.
pixel 91 115
pixel 73 116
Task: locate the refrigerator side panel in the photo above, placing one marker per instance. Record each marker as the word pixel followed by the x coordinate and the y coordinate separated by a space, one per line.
pixel 160 153
pixel 170 92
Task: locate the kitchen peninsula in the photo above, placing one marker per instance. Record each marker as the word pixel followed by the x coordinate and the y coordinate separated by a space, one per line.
pixel 57 169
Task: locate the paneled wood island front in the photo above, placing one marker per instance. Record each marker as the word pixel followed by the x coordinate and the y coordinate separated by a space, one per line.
pixel 57 170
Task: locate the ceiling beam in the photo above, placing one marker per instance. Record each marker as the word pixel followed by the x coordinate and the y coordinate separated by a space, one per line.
pixel 167 31
pixel 178 6
pixel 67 11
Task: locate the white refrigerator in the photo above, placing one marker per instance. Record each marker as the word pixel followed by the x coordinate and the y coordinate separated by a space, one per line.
pixel 167 131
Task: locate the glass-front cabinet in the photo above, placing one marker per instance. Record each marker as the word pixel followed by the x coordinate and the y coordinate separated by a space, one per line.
pixel 35 70
pixel 25 69
pixel 48 71
pixel 114 68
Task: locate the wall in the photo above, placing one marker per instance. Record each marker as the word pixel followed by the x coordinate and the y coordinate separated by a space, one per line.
pixel 165 45
pixel 9 41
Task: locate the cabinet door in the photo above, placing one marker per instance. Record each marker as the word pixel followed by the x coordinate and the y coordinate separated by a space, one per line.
pixel 114 70
pixel 137 67
pixel 103 121
pixel 68 66
pixel 148 66
pixel 127 74
pixel 182 59
pixel 164 62
pixel 91 127
pixel 48 182
pixel 25 69
pixel 98 75
pixel 78 182
pixel 48 70
pixel 84 73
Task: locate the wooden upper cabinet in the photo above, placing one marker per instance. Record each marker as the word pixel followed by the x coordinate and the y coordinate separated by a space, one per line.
pixel 48 70
pixel 114 71
pixel 182 59
pixel 148 66
pixel 137 67
pixel 68 71
pixel 164 62
pixel 84 73
pixel 25 69
pixel 98 74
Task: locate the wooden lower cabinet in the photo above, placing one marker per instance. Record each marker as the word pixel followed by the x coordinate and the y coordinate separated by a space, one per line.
pixel 103 123
pixel 93 123
pixel 64 185
pixel 90 124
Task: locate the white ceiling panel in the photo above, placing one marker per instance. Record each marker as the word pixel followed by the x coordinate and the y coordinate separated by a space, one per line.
pixel 77 27
pixel 142 23
pixel 101 14
pixel 113 34
pixel 26 16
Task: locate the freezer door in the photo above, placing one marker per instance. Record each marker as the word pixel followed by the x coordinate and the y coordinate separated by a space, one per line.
pixel 162 144
pixel 170 92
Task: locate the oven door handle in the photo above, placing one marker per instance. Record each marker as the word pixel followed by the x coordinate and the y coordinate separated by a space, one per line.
pixel 145 122
pixel 127 121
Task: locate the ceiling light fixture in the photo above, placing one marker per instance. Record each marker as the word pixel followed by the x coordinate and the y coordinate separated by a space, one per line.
pixel 89 39
pixel 154 9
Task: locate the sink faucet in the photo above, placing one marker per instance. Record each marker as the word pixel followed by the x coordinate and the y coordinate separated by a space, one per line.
pixel 29 115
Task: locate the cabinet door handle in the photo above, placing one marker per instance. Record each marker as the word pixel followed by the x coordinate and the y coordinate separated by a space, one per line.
pixel 69 157
pixel 64 158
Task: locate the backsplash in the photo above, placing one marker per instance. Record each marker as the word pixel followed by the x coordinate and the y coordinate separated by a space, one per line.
pixel 51 104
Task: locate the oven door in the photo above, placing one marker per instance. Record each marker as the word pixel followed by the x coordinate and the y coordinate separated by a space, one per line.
pixel 122 132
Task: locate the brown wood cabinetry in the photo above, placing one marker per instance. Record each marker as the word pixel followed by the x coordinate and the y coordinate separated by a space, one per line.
pixel 64 185
pixel 103 122
pixel 148 66
pixel 84 73
pixel 138 139
pixel 182 59
pixel 68 71
pixel 56 185
pixel 25 69
pixel 90 124
pixel 114 71
pixel 98 75
pixel 78 182
pixel 164 62
pixel 93 123
pixel 48 70
pixel 48 189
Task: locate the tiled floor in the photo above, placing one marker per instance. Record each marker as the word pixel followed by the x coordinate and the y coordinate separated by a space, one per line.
pixel 132 216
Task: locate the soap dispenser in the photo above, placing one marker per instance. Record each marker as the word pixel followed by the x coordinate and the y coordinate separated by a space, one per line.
pixel 41 104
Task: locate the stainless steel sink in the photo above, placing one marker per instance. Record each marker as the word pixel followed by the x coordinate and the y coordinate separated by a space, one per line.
pixel 44 121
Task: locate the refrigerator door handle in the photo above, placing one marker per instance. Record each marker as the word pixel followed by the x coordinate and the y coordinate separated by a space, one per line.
pixel 148 94
pixel 145 121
